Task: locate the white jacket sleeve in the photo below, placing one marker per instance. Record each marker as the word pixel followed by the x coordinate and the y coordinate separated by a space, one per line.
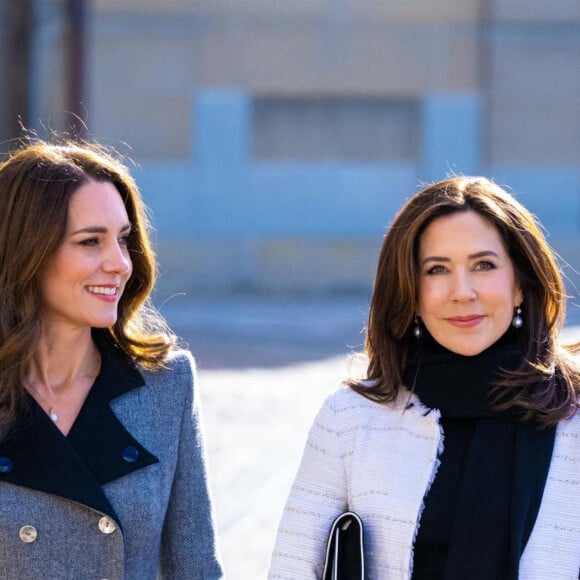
pixel 318 495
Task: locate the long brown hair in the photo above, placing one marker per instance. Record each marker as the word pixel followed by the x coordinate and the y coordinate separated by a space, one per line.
pixel 36 185
pixel 545 387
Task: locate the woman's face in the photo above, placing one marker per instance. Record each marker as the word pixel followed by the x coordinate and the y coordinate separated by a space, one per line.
pixel 82 282
pixel 467 284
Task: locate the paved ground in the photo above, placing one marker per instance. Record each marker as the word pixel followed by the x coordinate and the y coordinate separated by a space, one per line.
pixel 264 369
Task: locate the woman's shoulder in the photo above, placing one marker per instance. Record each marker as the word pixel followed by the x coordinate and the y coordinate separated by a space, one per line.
pixel 570 427
pixel 178 356
pixel 172 384
pixel 345 397
pixel 348 402
pixel 179 364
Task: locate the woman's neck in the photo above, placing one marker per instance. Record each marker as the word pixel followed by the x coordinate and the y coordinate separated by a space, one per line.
pixel 61 374
pixel 60 361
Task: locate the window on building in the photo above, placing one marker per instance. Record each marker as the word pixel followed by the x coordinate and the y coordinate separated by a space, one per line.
pixel 356 129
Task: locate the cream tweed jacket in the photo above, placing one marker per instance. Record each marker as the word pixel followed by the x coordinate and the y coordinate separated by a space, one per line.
pixel 379 461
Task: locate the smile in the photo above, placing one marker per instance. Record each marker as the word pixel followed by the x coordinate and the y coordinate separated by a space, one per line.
pixel 103 290
pixel 465 321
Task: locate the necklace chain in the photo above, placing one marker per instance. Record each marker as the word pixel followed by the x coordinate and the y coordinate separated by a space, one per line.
pixel 52 409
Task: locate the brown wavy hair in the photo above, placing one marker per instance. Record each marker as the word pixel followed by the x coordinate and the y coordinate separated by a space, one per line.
pixel 36 184
pixel 546 386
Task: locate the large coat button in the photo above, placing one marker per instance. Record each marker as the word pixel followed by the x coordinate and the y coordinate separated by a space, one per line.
pixel 28 534
pixel 107 525
pixel 130 454
pixel 5 465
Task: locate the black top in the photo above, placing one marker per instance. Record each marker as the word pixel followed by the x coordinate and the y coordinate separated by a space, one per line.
pixel 432 543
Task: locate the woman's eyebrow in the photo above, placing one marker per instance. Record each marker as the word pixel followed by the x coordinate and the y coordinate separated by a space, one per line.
pixel 98 230
pixel 483 254
pixel 435 259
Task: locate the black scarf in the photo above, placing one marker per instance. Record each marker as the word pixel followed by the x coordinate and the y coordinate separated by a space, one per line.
pixel 507 462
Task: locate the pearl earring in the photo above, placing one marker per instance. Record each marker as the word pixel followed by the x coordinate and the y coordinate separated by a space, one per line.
pixel 417 330
pixel 518 321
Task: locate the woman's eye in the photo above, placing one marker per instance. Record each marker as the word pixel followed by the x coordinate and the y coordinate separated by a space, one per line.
pixel 437 269
pixel 89 242
pixel 124 240
pixel 485 265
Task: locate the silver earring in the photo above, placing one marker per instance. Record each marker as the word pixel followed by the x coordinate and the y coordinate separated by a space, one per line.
pixel 417 330
pixel 518 321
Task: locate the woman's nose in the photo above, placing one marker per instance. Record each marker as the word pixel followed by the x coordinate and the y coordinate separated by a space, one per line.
pixel 117 259
pixel 463 287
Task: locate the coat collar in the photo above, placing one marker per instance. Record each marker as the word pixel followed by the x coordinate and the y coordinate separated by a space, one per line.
pixel 97 450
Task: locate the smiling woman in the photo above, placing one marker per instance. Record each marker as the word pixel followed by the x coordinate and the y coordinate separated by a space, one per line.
pixel 101 459
pixel 467 285
pixel 82 282
pixel 459 449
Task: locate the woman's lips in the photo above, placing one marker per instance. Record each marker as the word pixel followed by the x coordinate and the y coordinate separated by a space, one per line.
pixel 465 321
pixel 105 292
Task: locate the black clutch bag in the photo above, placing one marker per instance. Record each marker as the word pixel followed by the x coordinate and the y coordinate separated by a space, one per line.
pixel 344 551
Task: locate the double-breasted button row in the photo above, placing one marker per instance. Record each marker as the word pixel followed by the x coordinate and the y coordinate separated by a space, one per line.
pixel 28 533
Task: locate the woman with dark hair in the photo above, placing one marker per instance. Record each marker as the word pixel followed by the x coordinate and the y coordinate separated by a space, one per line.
pixel 460 449
pixel 102 470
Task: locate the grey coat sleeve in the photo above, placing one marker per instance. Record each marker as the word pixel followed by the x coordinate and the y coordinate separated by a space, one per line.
pixel 188 545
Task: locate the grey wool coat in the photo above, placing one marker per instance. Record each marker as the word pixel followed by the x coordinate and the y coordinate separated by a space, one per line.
pixel 124 496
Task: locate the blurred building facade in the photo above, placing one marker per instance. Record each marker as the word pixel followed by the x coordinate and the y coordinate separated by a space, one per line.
pixel 274 140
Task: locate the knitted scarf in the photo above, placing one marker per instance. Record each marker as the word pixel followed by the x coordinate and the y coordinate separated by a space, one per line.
pixel 507 462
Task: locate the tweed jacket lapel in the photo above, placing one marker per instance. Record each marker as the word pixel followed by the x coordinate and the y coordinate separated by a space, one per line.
pixel 97 450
